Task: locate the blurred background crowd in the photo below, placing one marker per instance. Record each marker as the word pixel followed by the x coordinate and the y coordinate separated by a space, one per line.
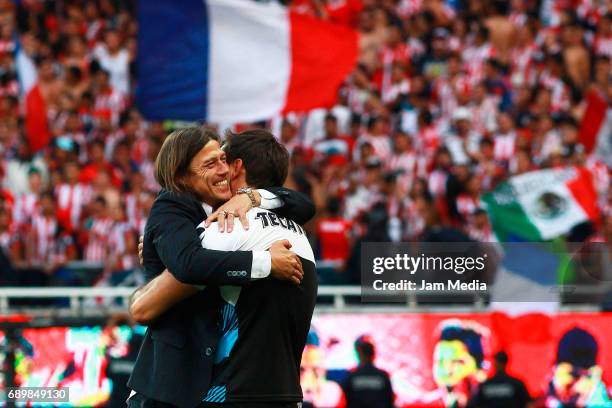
pixel 450 98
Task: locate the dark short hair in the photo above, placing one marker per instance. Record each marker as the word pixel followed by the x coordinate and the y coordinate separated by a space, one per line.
pixel 365 346
pixel 577 347
pixel 47 194
pixel 469 337
pixel 97 143
pixel 426 116
pixel 486 141
pixel 501 357
pixel 175 155
pixel 105 73
pixel 100 200
pixel 373 120
pixel 330 117
pixel 75 71
pixel 333 206
pixel 265 160
pixel 366 349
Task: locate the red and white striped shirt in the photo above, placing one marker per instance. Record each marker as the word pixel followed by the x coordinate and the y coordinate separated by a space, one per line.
pixel 466 205
pixel 603 46
pixel 140 150
pixel 484 115
pixel 445 95
pixel 381 145
pixel 408 8
pixel 7 46
pixel 406 163
pixel 428 141
pixel 45 230
pixel 25 207
pixel 437 182
pixel 110 102
pixel 70 201
pixel 522 64
pixel 474 58
pixel 481 234
pixel 7 238
pixel 139 224
pixel 414 222
pixel 518 19
pixel 147 169
pixel 560 92
pixel 133 206
pixel 401 53
pixel 10 89
pixel 98 244
pixel 125 259
pixel 391 91
pixel 504 146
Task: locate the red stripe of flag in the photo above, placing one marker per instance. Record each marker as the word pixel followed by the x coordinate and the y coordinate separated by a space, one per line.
pixel 584 193
pixel 593 119
pixel 322 56
pixel 37 128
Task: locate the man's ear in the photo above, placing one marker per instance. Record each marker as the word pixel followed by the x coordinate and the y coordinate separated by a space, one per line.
pixel 237 168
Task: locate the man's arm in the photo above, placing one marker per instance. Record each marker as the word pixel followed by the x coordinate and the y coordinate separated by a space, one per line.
pixel 297 206
pixel 172 237
pixel 150 301
pixel 178 246
pixel 282 201
pixel 164 291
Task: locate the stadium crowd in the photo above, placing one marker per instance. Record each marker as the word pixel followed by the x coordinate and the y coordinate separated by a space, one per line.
pixel 452 98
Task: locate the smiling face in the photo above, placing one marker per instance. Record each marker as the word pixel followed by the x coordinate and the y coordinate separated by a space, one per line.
pixel 208 175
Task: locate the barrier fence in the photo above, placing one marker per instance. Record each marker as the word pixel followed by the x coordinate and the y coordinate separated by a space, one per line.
pixel 103 300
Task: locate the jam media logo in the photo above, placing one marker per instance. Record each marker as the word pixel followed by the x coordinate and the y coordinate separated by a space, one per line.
pixel 550 205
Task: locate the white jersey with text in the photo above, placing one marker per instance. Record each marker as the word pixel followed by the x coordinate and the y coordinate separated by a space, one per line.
pixel 265 228
pixel 266 317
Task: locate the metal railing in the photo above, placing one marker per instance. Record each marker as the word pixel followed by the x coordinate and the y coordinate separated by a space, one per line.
pixel 104 300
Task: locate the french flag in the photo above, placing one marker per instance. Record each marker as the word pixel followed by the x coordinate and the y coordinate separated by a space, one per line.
pixel 237 60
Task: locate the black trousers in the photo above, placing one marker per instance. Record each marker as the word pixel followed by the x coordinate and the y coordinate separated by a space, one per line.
pixel 140 401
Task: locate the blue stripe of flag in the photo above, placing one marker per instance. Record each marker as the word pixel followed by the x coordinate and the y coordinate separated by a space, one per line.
pixel 172 65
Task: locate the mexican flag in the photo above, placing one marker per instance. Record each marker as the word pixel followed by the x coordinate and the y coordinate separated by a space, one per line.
pixel 530 213
pixel 542 205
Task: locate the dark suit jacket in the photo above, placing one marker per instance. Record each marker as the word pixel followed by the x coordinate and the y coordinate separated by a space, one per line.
pixel 175 361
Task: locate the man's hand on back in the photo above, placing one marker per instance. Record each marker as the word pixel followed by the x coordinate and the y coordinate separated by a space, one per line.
pixel 286 265
pixel 237 206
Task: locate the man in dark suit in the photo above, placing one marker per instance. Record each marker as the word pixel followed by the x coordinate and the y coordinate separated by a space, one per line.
pixel 501 390
pixel 266 318
pixel 367 386
pixel 175 362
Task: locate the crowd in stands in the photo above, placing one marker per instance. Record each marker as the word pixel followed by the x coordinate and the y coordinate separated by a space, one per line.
pixel 457 97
